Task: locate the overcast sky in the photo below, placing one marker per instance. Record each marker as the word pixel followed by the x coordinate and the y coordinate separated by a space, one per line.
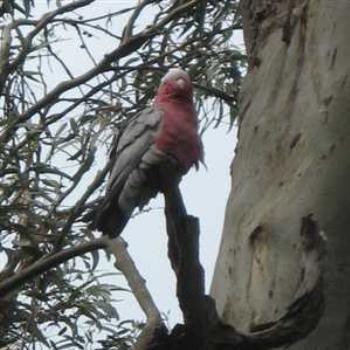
pixel 205 193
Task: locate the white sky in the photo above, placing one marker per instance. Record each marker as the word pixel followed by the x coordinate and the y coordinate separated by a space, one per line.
pixel 205 194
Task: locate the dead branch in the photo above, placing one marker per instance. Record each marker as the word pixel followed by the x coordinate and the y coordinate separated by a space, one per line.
pixel 203 329
pixel 124 263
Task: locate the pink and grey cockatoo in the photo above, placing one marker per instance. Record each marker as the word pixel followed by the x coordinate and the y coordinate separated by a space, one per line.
pixel 156 147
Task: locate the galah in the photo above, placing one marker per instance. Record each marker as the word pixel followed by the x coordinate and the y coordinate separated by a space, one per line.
pixel 154 150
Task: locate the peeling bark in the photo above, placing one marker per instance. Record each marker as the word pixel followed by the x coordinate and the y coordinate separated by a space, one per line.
pixel 291 161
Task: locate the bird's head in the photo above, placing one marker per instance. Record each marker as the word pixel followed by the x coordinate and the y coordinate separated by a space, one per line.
pixel 178 76
pixel 176 83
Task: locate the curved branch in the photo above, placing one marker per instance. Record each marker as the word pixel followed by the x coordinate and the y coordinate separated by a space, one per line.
pixel 47 263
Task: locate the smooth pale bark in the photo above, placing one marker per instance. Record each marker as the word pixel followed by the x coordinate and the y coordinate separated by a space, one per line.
pixel 292 160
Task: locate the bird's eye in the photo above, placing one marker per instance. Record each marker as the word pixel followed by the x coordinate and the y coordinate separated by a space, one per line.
pixel 181 82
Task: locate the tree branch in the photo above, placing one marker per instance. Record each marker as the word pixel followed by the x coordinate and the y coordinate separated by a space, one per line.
pixel 4 50
pixel 79 205
pixel 41 24
pixel 203 329
pixel 127 47
pixel 124 263
pixel 123 50
pixel 47 263
pixel 128 32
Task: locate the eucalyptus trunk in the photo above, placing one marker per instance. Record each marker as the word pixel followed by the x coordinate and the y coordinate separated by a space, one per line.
pixel 292 161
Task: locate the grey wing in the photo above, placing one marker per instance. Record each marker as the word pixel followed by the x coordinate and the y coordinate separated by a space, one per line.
pixel 134 141
pixel 132 155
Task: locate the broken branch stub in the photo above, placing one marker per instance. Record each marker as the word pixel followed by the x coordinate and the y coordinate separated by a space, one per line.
pixel 203 329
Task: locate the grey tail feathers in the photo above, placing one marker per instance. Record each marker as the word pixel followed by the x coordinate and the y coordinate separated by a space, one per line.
pixel 110 220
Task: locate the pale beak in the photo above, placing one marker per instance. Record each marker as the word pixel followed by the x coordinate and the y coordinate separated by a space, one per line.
pixel 181 82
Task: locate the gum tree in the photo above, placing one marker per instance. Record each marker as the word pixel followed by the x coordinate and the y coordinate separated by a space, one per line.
pixel 289 199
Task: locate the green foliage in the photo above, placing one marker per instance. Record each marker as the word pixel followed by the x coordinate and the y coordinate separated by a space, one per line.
pixel 56 122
